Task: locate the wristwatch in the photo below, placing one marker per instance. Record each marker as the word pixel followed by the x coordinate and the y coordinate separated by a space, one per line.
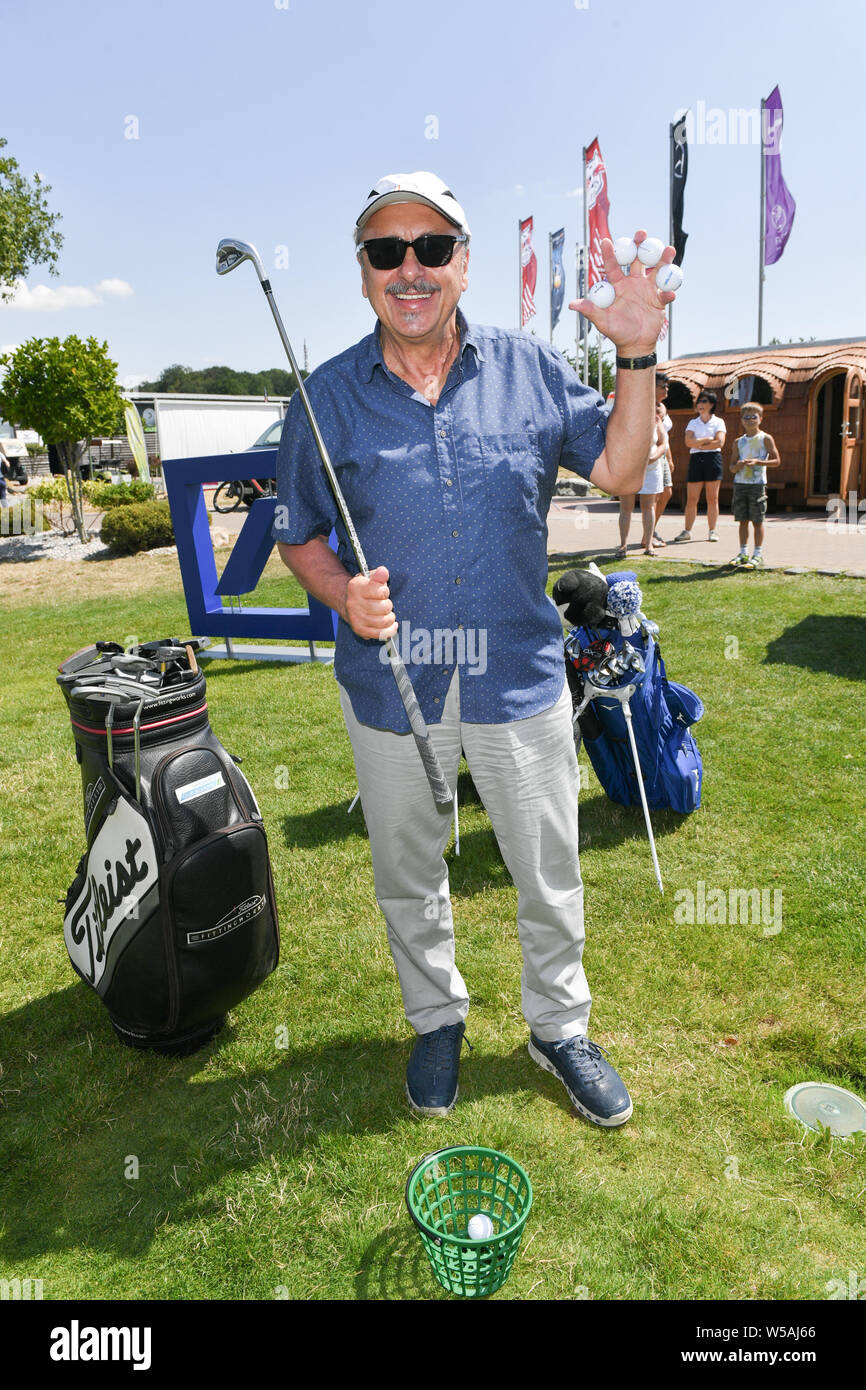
pixel 636 364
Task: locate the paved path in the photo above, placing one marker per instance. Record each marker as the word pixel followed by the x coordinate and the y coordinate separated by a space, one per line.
pixel 792 541
pixel 589 527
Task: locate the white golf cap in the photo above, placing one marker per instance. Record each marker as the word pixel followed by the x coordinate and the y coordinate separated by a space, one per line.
pixel 420 187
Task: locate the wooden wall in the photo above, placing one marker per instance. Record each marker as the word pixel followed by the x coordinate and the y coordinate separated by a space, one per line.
pixel 788 424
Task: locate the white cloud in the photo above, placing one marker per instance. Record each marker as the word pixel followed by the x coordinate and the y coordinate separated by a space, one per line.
pixel 120 288
pixel 520 189
pixel 133 380
pixel 44 299
pixel 574 193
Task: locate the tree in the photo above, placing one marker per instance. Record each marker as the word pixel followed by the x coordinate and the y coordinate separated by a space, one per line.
pixel 608 377
pixel 223 381
pixel 28 230
pixel 68 392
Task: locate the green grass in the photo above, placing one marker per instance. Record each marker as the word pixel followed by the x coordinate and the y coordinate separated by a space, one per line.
pixel 264 1168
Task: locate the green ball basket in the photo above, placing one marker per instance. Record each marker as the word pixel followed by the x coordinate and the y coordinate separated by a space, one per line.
pixel 447 1188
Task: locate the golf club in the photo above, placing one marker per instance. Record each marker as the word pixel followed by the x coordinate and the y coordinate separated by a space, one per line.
pixel 623 693
pixel 232 253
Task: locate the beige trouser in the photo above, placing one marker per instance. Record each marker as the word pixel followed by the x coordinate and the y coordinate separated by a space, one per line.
pixel 526 775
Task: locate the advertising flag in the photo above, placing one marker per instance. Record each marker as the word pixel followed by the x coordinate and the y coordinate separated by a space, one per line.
pixel 528 273
pixel 679 172
pixel 557 276
pixel 598 209
pixel 779 206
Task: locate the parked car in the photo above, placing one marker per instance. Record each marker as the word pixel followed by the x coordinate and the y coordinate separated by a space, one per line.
pixel 229 496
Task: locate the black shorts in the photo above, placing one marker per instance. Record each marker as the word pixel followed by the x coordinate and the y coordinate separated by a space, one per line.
pixel 705 467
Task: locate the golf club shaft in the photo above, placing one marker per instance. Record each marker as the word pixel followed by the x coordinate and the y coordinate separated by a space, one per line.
pixel 435 776
pixel 646 815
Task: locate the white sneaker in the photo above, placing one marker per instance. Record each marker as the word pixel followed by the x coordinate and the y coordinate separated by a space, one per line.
pixel 713 536
pixel 683 536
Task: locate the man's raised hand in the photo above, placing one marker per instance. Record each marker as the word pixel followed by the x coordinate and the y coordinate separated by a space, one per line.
pixel 634 320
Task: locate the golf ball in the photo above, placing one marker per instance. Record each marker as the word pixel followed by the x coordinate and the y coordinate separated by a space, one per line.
pixel 602 294
pixel 650 250
pixel 669 277
pixel 625 250
pixel 480 1227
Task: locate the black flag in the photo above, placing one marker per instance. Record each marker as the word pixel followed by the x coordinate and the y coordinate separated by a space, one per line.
pixel 679 171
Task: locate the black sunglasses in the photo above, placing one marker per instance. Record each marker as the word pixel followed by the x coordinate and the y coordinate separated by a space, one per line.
pixel 432 250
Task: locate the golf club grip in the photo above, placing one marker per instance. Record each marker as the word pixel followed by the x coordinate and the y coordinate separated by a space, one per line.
pixel 435 776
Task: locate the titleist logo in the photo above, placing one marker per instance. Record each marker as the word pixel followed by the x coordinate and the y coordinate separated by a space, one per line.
pixel 121 869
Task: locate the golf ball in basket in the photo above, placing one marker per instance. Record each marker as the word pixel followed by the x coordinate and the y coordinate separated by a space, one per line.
pixel 669 277
pixel 602 294
pixel 650 250
pixel 625 250
pixel 480 1227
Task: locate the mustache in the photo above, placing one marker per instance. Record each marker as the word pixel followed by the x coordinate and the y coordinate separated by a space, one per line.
pixel 418 286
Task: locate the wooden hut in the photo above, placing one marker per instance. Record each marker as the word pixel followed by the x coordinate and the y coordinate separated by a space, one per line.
pixel 812 394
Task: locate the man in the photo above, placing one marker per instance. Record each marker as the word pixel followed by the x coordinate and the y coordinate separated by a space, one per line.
pixel 447 439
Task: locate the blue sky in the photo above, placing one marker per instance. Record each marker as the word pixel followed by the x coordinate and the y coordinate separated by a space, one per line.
pixel 271 119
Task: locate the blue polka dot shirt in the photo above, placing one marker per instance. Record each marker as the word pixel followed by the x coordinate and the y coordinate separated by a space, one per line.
pixel 453 500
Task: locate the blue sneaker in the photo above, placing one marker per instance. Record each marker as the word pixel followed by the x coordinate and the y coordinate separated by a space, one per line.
pixel 595 1089
pixel 431 1076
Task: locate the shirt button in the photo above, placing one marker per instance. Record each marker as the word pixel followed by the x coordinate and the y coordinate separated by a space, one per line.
pixel 447 482
pixel 443 434
pixel 435 699
pixel 455 533
pixel 457 580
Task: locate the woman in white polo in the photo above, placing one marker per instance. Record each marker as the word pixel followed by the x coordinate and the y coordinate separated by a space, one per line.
pixel 705 438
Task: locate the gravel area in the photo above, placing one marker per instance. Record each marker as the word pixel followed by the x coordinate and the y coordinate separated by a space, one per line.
pixel 50 545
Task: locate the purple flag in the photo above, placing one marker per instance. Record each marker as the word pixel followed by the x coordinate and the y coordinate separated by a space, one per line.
pixel 779 206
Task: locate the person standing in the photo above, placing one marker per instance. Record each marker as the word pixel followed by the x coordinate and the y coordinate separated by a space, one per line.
pixel 705 439
pixel 662 386
pixel 447 438
pixel 648 493
pixel 752 454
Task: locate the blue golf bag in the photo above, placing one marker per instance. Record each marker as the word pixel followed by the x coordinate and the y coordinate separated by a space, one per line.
pixel 614 645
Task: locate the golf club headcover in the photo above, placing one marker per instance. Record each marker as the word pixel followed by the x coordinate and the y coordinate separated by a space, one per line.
pixel 624 600
pixel 581 598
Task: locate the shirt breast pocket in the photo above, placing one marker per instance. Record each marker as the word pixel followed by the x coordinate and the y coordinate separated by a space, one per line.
pixel 513 477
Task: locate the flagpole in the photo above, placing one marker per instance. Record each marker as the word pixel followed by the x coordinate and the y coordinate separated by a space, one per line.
pixel 550 280
pixel 585 363
pixel 577 328
pixel 670 231
pixel 762 237
pixel 519 280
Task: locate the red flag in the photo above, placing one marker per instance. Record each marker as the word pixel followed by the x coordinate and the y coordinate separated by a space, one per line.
pixel 528 273
pixel 598 209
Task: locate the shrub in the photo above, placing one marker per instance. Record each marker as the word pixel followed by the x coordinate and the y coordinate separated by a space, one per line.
pixel 49 490
pixel 106 495
pixel 138 526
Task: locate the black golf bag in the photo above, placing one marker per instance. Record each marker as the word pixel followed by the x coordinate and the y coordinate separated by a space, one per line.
pixel 172 917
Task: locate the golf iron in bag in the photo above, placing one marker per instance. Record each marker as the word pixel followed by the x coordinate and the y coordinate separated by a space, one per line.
pixel 171 918
pixel 634 722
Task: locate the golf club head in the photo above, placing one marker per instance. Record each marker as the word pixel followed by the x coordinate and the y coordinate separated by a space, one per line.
pixel 231 253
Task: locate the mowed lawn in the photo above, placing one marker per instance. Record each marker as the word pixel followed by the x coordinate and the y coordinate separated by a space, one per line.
pixel 273 1162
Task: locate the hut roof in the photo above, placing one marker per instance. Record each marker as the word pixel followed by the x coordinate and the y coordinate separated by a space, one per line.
pixel 777 364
